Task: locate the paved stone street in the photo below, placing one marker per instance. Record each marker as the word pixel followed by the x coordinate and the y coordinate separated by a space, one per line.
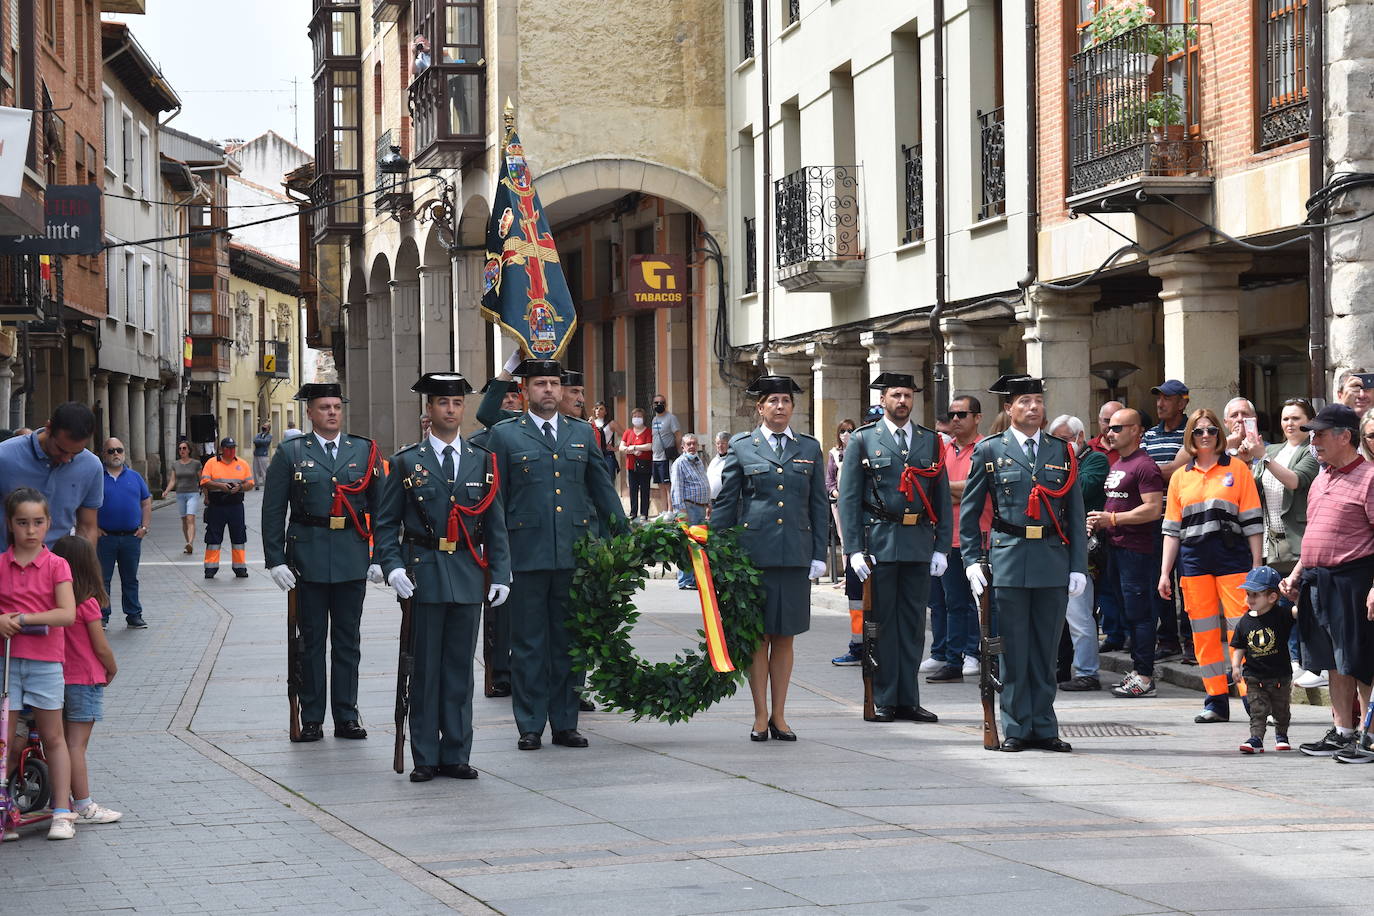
pixel 223 814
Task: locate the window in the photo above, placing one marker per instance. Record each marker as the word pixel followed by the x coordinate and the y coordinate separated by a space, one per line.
pixel 1282 79
pixel 111 139
pixel 145 180
pixel 90 164
pixel 130 147
pixel 80 56
pixel 906 74
pixel 50 22
pixel 145 296
pixel 132 277
pixel 111 284
pixel 79 151
pixel 746 31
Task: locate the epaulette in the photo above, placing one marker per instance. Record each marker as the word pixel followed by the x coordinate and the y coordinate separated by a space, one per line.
pixel 868 425
pixel 740 437
pixel 406 448
pixel 349 435
pixel 477 445
pixel 506 420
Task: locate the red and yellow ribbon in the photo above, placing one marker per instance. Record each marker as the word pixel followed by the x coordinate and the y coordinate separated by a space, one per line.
pixel 710 608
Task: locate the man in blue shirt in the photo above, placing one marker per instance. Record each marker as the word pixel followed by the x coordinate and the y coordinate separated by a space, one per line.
pixel 54 461
pixel 690 493
pixel 1164 443
pixel 123 519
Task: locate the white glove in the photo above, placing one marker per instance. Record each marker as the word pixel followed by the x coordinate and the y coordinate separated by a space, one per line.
pixel 1078 583
pixel 374 574
pixel 977 582
pixel 401 582
pixel 282 575
pixel 938 563
pixel 514 360
pixel 498 594
pixel 817 569
pixel 859 563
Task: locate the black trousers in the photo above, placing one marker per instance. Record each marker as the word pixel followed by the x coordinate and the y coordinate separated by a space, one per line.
pixel 333 610
pixel 544 686
pixel 441 692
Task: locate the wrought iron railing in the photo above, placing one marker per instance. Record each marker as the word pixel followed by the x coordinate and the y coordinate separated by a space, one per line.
pixel 993 143
pixel 817 209
pixel 21 287
pixel 1283 77
pixel 746 33
pixel 793 11
pixel 274 359
pixel 915 229
pixel 1135 107
pixel 383 147
pixel 751 255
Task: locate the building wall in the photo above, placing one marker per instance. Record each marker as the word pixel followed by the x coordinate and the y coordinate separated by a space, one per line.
pixel 247 399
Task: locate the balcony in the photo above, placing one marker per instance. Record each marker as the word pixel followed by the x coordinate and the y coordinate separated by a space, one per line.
pixel 388 10
pixel 992 133
pixel 1283 73
pixel 210 360
pixel 1135 119
pixel 274 359
pixel 448 104
pixel 817 233
pixel 751 255
pixel 21 288
pixel 913 166
pixel 342 219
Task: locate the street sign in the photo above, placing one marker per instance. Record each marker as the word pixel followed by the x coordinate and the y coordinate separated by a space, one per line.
pixel 657 281
pixel 73 223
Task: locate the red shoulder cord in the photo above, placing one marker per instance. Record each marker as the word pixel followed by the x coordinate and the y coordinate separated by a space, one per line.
pixel 342 505
pixel 1043 494
pixel 908 486
pixel 456 513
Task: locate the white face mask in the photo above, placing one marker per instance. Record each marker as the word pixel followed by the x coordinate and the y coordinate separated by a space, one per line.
pixel 638 421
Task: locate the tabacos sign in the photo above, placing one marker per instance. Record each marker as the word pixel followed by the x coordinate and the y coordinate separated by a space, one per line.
pixel 657 281
pixel 72 220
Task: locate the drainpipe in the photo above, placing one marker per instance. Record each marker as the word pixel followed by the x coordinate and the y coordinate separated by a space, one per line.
pixel 1316 178
pixel 766 217
pixel 939 371
pixel 1032 160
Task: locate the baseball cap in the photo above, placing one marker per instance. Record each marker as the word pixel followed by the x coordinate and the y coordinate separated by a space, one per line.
pixel 228 442
pixel 1332 416
pixel 1261 579
pixel 874 412
pixel 1170 388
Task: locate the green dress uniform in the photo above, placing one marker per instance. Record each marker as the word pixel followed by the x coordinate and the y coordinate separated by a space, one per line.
pixel 779 503
pixel 489 413
pixel 329 554
pixel 450 583
pixel 553 483
pixel 1031 564
pixel 900 536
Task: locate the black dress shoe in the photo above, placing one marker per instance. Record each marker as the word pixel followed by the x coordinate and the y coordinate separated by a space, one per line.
pixel 1052 744
pixel 916 714
pixel 529 741
pixel 946 674
pixel 586 705
pixel 1110 646
pixel 456 770
pixel 311 731
pixel 780 735
pixel 882 714
pixel 349 729
pixel 569 737
pixel 1013 745
pixel 758 736
pixel 499 690
pixel 421 773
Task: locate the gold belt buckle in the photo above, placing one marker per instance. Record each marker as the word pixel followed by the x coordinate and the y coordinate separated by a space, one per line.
pixel 447 546
pixel 911 518
pixel 1034 532
pixel 336 522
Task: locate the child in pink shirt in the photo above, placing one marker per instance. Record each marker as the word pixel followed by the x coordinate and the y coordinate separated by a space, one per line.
pixel 36 589
pixel 89 665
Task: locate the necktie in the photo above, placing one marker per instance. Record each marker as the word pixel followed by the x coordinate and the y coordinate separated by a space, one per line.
pixel 447 466
pixel 1030 451
pixel 548 433
pixel 901 440
pixel 329 447
pixel 777 443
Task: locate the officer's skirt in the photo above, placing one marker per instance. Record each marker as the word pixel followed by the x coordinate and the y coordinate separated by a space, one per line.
pixel 786 600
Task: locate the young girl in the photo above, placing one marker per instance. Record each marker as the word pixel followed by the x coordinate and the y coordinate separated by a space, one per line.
pixel 88 667
pixel 36 588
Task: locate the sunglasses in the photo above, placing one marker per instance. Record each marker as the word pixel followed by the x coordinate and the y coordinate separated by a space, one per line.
pixel 957 414
pixel 1369 435
pixel 114 451
pixel 1206 431
pixel 660 403
pixel 1118 427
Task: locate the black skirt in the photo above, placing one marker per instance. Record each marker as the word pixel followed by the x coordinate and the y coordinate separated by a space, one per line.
pixel 786 600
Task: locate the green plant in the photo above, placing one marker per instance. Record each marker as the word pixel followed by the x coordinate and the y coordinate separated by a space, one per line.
pixel 1163 109
pixel 1161 41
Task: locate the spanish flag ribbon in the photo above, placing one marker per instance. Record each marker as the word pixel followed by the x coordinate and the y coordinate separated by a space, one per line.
pixel 710 608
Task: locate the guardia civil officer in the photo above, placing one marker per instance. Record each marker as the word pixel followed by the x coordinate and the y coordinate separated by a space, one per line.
pixel 1039 555
pixel 501 399
pixel 773 487
pixel 555 481
pixel 895 508
pixel 330 481
pixel 441 538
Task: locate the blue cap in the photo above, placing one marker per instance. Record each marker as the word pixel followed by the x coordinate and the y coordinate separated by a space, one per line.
pixel 874 412
pixel 1261 579
pixel 1170 388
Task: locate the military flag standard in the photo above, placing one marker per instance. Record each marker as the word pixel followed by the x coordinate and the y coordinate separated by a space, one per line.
pixel 523 287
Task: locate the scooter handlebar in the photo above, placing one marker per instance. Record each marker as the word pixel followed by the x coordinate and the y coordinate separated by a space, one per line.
pixel 34 629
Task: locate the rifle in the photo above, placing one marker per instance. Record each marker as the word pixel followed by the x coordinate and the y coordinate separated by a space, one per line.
pixel 293 664
pixel 989 673
pixel 488 637
pixel 870 649
pixel 405 666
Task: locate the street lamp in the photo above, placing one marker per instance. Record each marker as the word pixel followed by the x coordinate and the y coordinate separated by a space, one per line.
pixel 1113 372
pixel 393 193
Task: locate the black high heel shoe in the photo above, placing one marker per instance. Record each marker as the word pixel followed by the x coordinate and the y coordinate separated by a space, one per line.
pixel 758 736
pixel 779 734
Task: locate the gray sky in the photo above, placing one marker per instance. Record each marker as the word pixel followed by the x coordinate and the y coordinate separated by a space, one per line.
pixel 232 61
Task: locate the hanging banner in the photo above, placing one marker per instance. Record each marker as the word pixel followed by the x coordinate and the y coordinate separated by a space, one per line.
pixel 73 223
pixel 15 126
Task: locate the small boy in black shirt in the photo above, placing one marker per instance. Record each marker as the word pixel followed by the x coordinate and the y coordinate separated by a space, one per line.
pixel 1261 641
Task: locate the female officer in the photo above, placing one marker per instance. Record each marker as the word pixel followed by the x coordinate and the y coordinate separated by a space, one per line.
pixel 773 487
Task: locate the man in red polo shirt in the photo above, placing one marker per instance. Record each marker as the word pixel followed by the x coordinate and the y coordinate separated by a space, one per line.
pixel 1332 580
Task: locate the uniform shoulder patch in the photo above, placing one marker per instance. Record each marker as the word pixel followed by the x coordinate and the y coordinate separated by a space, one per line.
pixel 507 421
pixel 352 436
pixel 868 425
pixel 478 445
pixel 741 437
pixel 405 448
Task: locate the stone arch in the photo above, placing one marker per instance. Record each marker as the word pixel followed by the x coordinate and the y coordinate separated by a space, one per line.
pixel 381 406
pixel 354 376
pixel 641 175
pixel 406 343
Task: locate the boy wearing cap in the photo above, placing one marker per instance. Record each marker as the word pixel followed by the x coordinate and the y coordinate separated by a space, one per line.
pixel 1259 650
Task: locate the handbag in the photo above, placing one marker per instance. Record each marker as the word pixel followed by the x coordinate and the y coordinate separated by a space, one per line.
pixel 1278 551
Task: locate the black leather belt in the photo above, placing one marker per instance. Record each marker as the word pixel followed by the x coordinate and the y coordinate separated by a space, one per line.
pixel 1029 532
pixel 430 543
pixel 336 522
pixel 908 517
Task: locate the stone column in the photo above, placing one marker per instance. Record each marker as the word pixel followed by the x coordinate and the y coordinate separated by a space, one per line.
pixel 6 384
pixel 135 451
pixel 837 379
pixel 119 407
pixel 898 353
pixel 799 369
pixel 152 431
pixel 357 384
pixel 381 393
pixel 1058 330
pixel 101 381
pixel 972 353
pixel 405 343
pixel 468 326
pixel 436 326
pixel 168 399
pixel 1202 323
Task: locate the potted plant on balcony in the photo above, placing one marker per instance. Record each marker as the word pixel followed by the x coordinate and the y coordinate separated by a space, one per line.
pixel 1164 115
pixel 1139 54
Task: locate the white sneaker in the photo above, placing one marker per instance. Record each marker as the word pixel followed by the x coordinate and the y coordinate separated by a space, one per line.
pixel 9 836
pixel 95 814
pixel 63 827
pixel 929 665
pixel 972 666
pixel 1310 679
pixel 1297 669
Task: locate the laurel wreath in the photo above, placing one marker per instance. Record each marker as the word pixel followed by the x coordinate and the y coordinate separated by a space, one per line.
pixel 610 572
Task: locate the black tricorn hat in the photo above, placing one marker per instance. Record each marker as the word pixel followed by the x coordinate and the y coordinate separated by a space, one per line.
pixel 572 377
pixel 442 384
pixel 312 390
pixel 490 382
pixel 535 368
pixel 1016 384
pixel 765 385
pixel 888 380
